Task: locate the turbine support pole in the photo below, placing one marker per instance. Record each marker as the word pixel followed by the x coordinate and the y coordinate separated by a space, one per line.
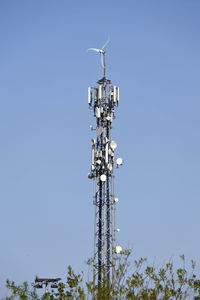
pixel 104 64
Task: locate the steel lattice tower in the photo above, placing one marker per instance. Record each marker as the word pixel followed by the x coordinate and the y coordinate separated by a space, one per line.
pixel 103 100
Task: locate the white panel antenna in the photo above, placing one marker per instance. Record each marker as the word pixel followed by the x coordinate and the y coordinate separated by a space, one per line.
pixel 99 92
pixel 117 95
pixel 89 96
pixel 98 112
pixel 114 93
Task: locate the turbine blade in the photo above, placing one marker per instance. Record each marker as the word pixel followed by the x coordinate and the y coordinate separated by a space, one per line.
pixel 106 43
pixel 94 49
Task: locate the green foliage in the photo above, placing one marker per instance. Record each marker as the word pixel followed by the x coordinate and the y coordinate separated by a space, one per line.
pixel 144 282
pixel 21 292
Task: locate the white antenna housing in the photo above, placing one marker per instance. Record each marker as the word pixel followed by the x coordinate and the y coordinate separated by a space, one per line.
pixel 119 161
pixel 99 92
pixel 117 94
pixel 114 94
pixel 98 112
pixel 89 96
pixel 103 177
pixel 118 249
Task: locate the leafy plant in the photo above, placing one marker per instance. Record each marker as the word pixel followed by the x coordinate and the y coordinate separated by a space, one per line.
pixel 138 282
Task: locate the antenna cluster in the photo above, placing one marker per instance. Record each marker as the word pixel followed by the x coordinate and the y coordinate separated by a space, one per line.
pixel 103 100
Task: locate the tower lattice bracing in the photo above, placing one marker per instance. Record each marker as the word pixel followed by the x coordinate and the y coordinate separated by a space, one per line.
pixel 103 100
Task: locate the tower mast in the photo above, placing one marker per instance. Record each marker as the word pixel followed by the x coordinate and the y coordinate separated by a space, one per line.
pixel 103 100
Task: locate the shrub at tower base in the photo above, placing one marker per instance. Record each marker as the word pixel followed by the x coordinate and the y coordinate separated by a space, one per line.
pixel 137 281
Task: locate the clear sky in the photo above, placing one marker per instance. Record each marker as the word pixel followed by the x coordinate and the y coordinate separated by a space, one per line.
pixel 46 215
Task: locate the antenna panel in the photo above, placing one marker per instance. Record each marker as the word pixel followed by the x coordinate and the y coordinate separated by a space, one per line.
pixel 93 141
pixel 99 92
pixel 117 95
pixel 98 112
pixel 95 95
pixel 114 94
pixel 106 153
pixel 89 96
pixel 110 167
pixel 111 95
pixel 93 156
pixel 105 140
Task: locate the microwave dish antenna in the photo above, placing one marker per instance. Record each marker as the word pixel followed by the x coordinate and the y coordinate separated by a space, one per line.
pixel 102 52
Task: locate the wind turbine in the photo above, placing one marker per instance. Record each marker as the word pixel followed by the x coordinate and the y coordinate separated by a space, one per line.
pixel 102 52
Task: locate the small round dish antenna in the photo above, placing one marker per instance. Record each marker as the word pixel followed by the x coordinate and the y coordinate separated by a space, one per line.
pixel 90 175
pixel 103 177
pixel 118 249
pixel 119 161
pixel 116 200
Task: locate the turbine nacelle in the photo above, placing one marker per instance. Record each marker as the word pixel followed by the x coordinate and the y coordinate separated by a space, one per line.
pixel 97 50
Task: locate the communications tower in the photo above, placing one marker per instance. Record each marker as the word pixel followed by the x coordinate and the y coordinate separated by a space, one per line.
pixel 103 100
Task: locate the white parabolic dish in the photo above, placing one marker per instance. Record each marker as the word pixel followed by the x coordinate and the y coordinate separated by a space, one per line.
pixel 119 161
pixel 103 177
pixel 118 249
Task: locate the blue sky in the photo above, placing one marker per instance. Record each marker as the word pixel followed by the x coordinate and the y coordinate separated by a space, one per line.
pixel 46 215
